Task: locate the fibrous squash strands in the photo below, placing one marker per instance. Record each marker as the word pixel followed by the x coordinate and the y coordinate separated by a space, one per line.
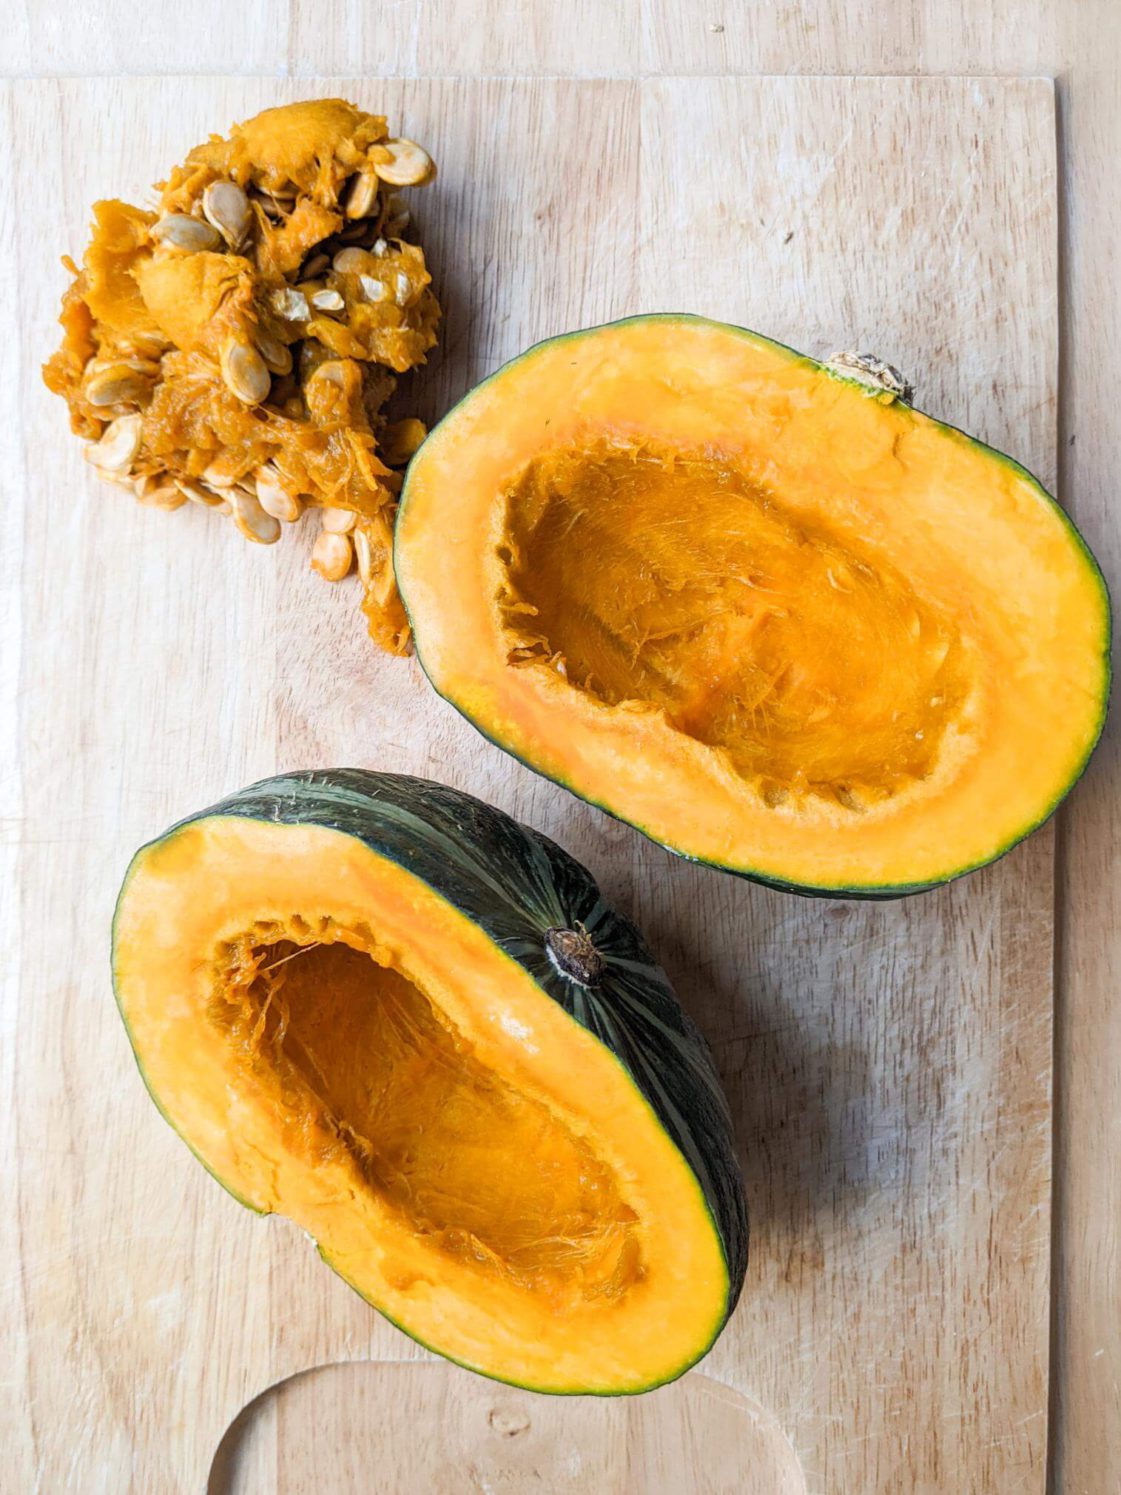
pixel 235 347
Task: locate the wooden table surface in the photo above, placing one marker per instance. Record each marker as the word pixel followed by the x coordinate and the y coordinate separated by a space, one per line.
pixel 1075 43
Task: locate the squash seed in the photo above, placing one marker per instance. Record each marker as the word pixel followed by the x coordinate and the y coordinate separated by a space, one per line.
pixel 252 520
pixel 277 355
pixel 350 261
pixel 161 493
pixel 331 555
pixel 363 233
pixel 185 232
pixel 275 205
pixel 116 384
pixel 149 367
pixel 409 164
pixel 217 475
pixel 119 444
pixel 327 300
pixel 329 372
pixel 338 521
pixel 365 555
pixel 227 209
pixel 245 372
pixel 274 498
pixel 362 194
pixel 290 304
pixel 372 289
pixel 315 266
pixel 199 493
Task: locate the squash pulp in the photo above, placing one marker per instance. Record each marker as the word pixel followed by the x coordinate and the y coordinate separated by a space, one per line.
pixel 234 348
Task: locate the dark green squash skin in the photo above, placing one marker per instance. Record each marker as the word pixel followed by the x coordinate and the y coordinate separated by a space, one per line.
pixel 868 892
pixel 516 884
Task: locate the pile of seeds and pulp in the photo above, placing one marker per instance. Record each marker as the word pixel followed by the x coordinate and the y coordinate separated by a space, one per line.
pixel 236 347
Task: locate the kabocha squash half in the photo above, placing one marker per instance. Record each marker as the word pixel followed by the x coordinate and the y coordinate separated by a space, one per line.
pixel 412 1025
pixel 775 618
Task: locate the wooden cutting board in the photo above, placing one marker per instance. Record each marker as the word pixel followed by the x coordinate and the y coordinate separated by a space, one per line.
pixel 888 1064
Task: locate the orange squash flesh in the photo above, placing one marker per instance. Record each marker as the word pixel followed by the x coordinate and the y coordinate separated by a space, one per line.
pixel 366 1061
pixel 773 620
pixel 815 669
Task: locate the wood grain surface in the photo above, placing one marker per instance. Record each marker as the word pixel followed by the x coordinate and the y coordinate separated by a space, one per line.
pixel 888 1065
pixel 1077 44
pixel 696 1436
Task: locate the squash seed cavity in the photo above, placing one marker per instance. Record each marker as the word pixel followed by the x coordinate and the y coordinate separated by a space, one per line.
pixel 806 660
pixel 365 1072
